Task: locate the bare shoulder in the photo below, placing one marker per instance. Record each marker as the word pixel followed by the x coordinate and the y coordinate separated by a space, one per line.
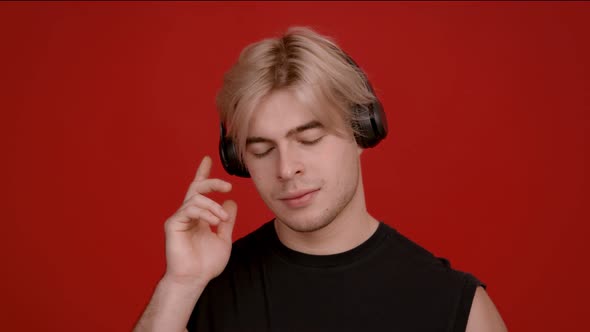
pixel 484 317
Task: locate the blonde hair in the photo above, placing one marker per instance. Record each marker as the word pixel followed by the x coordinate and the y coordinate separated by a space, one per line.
pixel 310 64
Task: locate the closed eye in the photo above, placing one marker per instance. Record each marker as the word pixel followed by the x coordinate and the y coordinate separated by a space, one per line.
pixel 260 155
pixel 312 142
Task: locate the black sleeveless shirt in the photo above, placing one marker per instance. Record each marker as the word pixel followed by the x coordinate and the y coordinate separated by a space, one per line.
pixel 388 283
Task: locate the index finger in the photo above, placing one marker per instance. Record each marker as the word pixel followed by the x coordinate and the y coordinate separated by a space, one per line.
pixel 204 169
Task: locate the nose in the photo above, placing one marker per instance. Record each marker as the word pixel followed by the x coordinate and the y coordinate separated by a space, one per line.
pixel 289 165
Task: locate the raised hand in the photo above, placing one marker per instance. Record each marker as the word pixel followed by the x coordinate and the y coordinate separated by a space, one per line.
pixel 199 234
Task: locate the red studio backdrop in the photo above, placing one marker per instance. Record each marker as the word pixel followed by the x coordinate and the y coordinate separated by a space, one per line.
pixel 108 108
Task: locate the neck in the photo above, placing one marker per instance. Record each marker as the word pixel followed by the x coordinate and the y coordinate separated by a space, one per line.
pixel 351 227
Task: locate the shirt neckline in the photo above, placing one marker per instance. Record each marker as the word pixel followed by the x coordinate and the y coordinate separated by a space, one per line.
pixel 333 260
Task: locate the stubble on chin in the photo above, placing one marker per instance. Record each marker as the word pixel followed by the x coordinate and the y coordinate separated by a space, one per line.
pixel 315 222
pixel 307 225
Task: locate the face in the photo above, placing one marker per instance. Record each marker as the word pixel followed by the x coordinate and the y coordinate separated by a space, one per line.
pixel 306 174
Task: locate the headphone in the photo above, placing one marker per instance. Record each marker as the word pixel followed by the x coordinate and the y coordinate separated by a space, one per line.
pixel 371 126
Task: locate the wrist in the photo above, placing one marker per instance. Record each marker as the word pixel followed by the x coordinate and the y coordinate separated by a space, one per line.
pixel 186 283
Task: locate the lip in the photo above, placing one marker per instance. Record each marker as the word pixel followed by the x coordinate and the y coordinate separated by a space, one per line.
pixel 296 194
pixel 299 199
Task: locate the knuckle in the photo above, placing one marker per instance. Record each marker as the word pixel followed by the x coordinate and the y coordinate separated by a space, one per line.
pixel 190 209
pixel 196 198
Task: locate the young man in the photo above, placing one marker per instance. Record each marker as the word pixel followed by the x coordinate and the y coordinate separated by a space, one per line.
pixel 298 113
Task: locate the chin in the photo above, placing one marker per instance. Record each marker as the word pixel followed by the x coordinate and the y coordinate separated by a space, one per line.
pixel 305 223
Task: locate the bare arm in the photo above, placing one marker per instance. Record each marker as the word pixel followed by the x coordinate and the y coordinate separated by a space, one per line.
pixel 195 253
pixel 484 317
pixel 170 307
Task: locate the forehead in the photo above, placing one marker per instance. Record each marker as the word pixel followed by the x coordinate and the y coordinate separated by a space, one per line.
pixel 279 112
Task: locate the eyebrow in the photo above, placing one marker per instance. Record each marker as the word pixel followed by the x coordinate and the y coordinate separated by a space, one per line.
pixel 310 125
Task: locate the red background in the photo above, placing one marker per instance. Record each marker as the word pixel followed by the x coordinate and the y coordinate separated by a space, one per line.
pixel 107 109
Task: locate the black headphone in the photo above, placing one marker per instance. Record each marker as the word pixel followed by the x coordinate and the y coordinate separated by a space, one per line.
pixel 371 126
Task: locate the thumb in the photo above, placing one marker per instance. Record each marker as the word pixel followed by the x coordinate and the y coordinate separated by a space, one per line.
pixel 225 228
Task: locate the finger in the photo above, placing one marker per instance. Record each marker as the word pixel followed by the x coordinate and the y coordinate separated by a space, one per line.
pixel 192 215
pixel 207 186
pixel 182 222
pixel 204 169
pixel 226 227
pixel 206 203
pixel 195 213
pixel 210 185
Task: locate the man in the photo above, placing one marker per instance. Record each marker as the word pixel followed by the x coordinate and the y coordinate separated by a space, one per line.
pixel 298 113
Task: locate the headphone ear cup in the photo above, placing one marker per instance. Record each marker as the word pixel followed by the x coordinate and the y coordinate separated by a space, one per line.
pixel 378 123
pixel 229 156
pixel 371 124
pixel 363 129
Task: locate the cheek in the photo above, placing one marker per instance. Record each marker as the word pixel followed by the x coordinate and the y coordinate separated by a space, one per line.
pixel 257 171
pixel 344 154
pixel 262 184
pixel 340 163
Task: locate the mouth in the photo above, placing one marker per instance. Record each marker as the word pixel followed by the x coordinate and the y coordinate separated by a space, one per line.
pixel 299 199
